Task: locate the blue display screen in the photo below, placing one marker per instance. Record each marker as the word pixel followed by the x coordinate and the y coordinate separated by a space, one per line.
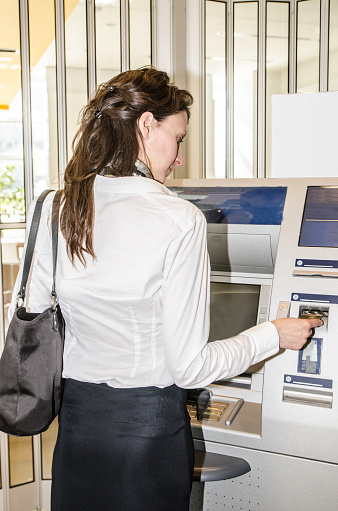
pixel 320 218
pixel 237 205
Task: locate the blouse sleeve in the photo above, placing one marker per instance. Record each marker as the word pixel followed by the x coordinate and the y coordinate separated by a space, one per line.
pixel 191 360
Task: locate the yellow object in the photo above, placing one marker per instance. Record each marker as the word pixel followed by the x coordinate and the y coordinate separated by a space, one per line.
pixel 41 12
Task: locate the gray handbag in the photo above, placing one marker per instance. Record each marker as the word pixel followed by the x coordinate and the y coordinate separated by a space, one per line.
pixel 31 382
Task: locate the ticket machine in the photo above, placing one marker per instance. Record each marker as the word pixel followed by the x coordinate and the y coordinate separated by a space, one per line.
pixel 273 248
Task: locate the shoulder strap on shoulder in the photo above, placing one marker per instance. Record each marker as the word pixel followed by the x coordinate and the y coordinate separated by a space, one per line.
pixel 31 244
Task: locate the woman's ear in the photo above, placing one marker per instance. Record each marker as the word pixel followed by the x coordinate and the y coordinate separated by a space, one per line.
pixel 144 124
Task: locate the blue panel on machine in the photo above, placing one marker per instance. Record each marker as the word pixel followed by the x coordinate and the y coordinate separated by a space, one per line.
pixel 310 297
pixel 307 380
pixel 237 205
pixel 317 263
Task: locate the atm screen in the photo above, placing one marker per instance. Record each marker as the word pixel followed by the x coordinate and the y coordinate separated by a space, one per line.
pixel 233 308
pixel 320 217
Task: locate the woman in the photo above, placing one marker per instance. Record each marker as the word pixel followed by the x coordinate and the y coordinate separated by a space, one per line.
pixel 133 285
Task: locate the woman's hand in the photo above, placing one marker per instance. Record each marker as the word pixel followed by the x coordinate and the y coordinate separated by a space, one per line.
pixel 293 333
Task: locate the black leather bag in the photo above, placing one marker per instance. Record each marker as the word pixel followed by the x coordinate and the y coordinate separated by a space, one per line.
pixel 31 363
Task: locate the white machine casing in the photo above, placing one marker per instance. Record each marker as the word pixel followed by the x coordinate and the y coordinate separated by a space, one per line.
pixel 286 426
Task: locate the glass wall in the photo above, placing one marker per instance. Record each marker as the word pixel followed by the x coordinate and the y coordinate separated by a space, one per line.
pixel 108 36
pixel 333 46
pixel 276 64
pixel 12 204
pixel 215 89
pixel 271 47
pixel 140 33
pixel 43 94
pixel 308 45
pixel 245 100
pixel 76 64
pixel 12 241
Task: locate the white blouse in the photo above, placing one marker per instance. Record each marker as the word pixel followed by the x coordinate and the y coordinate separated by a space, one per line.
pixel 138 314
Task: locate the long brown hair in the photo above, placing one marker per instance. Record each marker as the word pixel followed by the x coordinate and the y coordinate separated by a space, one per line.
pixel 108 141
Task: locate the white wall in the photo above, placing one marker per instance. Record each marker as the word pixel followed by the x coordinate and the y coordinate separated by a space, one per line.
pixel 304 135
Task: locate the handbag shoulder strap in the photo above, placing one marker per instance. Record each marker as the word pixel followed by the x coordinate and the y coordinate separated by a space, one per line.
pixel 31 244
pixel 55 236
pixel 55 233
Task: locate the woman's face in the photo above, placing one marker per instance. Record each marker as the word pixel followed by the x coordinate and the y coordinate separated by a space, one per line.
pixel 161 141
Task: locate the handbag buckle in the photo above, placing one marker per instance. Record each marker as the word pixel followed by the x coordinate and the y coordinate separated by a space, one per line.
pixel 19 300
pixel 55 322
pixel 54 301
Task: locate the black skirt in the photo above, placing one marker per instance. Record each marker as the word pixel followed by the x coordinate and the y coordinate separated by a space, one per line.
pixel 122 450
